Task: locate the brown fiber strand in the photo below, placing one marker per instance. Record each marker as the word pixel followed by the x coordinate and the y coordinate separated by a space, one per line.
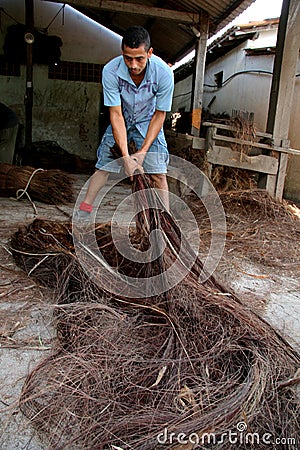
pixel 262 229
pixel 121 370
pixel 48 186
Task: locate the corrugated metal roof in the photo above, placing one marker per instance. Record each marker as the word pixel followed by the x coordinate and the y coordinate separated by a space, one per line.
pixel 236 35
pixel 171 39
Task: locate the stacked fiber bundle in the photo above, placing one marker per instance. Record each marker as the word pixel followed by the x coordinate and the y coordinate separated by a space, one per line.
pixel 48 186
pixel 142 373
pixel 258 227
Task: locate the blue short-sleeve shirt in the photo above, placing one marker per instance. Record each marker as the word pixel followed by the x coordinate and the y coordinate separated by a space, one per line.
pixel 138 103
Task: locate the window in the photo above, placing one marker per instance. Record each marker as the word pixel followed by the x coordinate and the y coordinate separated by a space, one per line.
pixel 219 79
pixel 75 71
pixel 8 68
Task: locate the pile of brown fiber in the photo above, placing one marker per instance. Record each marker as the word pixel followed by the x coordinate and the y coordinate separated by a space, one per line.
pixel 259 227
pixel 48 186
pixel 189 368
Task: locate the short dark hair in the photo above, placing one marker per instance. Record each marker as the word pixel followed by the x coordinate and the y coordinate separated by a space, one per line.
pixel 136 36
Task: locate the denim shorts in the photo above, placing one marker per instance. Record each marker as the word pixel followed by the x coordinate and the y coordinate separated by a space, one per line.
pixel 156 160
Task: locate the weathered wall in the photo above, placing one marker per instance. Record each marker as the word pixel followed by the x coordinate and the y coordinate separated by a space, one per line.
pixel 67 112
pixel 182 95
pixel 64 112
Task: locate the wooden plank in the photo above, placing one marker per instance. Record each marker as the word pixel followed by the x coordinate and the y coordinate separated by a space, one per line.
pixel 283 82
pixel 290 151
pixel 283 160
pixel 271 185
pixel 198 143
pixel 224 156
pixel 284 70
pixel 231 128
pixel 135 8
pixel 275 148
pixel 175 134
pixel 284 148
pixel 210 137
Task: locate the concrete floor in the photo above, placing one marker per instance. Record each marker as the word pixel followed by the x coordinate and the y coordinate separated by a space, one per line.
pixel 26 328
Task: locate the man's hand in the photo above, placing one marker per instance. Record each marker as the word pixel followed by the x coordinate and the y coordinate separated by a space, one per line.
pixel 131 164
pixel 139 157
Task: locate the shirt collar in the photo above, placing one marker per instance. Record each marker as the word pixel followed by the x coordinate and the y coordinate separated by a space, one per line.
pixel 123 71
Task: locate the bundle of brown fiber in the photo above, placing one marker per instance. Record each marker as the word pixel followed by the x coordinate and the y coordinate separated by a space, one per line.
pixel 190 366
pixel 48 186
pixel 258 226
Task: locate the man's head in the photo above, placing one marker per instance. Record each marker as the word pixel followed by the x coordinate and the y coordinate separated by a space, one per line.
pixel 136 49
pixel 135 37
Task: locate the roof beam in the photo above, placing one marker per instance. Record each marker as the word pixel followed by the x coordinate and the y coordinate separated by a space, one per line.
pixel 135 8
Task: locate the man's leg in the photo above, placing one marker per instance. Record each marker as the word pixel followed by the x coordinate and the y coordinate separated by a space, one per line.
pixel 97 181
pixel 100 176
pixel 161 184
pixel 105 159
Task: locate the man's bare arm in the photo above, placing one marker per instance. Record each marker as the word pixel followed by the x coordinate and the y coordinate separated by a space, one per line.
pixel 120 135
pixel 118 128
pixel 154 128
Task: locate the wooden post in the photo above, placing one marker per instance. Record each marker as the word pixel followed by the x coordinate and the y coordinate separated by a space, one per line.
pixel 281 33
pixel 283 82
pixel 198 77
pixel 29 19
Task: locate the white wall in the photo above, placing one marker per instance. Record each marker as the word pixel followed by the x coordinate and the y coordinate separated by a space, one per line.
pixel 267 38
pixel 245 91
pixel 93 43
pixel 63 111
pixel 248 92
pixel 83 39
pixel 182 94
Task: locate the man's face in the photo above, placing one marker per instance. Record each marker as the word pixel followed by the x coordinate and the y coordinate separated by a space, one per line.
pixel 136 58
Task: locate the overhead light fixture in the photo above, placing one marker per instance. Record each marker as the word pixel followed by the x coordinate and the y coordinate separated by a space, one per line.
pixel 190 29
pixel 29 38
pixel 195 31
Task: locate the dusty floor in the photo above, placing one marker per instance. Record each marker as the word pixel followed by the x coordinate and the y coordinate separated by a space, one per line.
pixel 26 328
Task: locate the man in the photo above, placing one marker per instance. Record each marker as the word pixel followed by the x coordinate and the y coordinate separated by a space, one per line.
pixel 9 125
pixel 138 89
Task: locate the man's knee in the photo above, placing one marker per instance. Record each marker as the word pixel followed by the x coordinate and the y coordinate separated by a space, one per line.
pixel 99 173
pixel 159 181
